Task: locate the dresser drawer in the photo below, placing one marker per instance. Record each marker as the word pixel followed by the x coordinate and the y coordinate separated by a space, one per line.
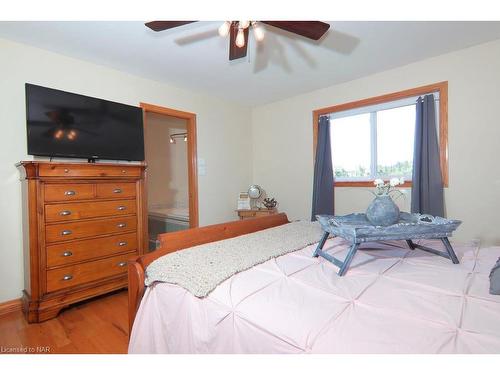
pixel 86 272
pixel 82 250
pixel 88 210
pixel 115 190
pixel 91 228
pixel 68 192
pixel 78 170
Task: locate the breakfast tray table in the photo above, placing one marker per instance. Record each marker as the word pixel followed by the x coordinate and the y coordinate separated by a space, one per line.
pixel 356 229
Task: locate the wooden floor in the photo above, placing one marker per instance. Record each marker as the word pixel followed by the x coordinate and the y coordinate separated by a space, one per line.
pixel 96 326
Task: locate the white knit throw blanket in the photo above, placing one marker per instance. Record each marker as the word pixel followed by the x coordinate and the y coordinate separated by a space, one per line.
pixel 201 268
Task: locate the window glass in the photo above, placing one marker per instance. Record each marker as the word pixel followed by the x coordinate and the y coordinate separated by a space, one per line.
pixel 374 142
pixel 351 140
pixel 395 136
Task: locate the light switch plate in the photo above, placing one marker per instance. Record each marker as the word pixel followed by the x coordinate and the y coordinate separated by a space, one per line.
pixel 202 167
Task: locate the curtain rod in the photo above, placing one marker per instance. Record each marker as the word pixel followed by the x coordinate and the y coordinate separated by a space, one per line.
pixel 436 99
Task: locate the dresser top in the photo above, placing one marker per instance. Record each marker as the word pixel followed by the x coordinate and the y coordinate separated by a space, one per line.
pixel 44 162
pixel 40 169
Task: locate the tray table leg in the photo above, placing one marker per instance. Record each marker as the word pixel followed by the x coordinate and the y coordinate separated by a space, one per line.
pixel 321 244
pixel 348 259
pixel 410 244
pixel 343 266
pixel 449 254
pixel 449 249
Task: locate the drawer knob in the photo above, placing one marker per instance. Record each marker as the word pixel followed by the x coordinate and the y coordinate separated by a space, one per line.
pixel 117 191
pixel 67 277
pixel 66 170
pixel 121 225
pixel 65 213
pixel 67 253
pixel 66 232
pixel 122 208
pixel 124 171
pixel 70 192
pixel 122 264
pixel 122 243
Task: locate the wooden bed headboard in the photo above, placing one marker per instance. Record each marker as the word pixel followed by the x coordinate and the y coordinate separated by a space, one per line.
pixel 175 241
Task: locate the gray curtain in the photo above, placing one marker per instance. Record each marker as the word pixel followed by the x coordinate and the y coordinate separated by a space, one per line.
pixel 427 189
pixel 322 202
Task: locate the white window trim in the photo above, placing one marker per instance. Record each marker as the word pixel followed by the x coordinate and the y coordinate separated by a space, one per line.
pixel 380 107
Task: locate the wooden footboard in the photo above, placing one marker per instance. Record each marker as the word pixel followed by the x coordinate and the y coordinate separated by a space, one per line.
pixel 175 241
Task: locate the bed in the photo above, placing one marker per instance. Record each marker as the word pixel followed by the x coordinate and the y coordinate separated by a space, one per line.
pixel 392 300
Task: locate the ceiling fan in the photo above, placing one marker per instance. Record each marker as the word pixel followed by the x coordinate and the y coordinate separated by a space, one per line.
pixel 238 31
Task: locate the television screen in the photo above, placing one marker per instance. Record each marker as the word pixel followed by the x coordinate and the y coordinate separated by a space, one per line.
pixel 63 124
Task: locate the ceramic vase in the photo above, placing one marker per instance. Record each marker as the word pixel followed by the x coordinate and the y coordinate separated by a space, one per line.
pixel 382 211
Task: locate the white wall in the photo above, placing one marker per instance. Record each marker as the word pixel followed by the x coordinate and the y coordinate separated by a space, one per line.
pixel 282 139
pixel 167 162
pixel 223 131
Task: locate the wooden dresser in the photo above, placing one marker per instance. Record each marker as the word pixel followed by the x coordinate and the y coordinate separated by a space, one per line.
pixel 82 222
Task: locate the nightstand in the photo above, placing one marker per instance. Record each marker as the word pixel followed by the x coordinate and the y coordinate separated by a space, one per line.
pixel 256 212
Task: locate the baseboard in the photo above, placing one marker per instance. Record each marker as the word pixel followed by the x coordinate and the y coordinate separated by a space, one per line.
pixel 8 307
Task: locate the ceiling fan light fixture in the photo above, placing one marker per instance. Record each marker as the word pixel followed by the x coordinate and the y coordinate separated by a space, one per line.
pixel 258 32
pixel 224 28
pixel 240 38
pixel 238 32
pixel 243 24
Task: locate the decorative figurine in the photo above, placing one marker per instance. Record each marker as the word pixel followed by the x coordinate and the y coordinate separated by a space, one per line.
pixel 270 203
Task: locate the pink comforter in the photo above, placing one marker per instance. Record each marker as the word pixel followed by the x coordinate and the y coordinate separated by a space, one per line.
pixel 392 300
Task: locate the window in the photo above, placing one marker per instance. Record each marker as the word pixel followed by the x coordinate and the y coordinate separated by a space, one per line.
pixel 374 138
pixel 374 142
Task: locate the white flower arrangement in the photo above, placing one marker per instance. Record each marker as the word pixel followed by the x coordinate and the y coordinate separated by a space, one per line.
pixel 385 188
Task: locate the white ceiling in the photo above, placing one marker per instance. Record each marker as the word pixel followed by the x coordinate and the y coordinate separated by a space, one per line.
pixel 283 65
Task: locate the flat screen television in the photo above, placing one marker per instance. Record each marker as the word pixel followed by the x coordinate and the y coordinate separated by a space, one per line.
pixel 63 124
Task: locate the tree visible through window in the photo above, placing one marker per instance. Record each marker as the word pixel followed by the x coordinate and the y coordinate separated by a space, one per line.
pixel 373 142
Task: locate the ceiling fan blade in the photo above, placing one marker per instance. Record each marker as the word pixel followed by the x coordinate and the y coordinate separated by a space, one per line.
pixel 309 29
pixel 236 52
pixel 165 25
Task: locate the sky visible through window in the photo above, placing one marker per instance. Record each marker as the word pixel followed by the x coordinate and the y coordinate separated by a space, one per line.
pixel 352 141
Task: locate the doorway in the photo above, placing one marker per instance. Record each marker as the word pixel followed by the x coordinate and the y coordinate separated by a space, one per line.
pixel 171 175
